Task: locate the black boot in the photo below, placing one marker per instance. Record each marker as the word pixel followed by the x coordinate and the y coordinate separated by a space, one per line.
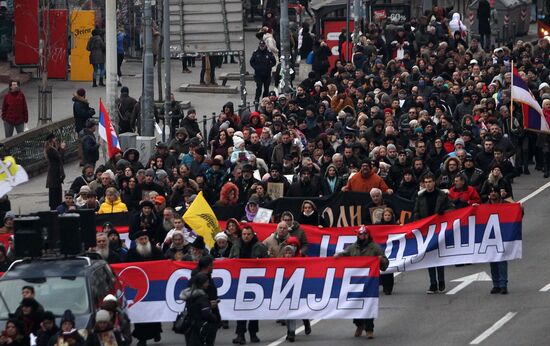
pixel 307 327
pixel 94 85
pixel 239 340
pixel 290 336
pixel 101 81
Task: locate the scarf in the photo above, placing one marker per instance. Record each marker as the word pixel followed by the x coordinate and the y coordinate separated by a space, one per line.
pixel 331 183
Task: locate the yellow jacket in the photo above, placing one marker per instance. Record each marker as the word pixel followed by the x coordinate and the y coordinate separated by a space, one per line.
pixel 115 207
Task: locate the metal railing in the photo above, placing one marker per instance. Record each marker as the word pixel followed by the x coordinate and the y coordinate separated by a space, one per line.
pixel 28 147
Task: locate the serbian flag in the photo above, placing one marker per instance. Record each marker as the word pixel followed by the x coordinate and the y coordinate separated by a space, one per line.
pixel 533 117
pixel 107 131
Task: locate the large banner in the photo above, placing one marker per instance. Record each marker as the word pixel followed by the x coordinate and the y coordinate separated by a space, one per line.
pixel 480 234
pixel 338 210
pixel 267 289
pixel 485 233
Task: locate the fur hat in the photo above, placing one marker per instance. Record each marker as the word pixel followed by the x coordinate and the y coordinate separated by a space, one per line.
pixel 102 316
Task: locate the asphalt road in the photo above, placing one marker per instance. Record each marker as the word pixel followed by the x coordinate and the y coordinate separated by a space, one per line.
pixel 411 317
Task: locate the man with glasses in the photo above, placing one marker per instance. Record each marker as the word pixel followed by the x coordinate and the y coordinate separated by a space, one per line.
pixel 247 247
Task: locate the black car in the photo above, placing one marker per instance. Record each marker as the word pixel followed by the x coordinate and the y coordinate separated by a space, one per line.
pixel 76 283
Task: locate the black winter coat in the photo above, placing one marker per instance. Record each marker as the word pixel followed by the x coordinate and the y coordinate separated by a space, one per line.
pixel 125 107
pixel 442 204
pixel 90 147
pixel 484 15
pixel 262 61
pixel 56 173
pixel 81 112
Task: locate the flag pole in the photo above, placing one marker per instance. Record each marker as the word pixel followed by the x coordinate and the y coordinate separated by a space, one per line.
pixel 512 98
pixel 105 158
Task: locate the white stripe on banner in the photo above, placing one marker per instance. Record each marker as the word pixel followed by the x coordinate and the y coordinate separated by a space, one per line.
pixel 158 311
pixel 504 251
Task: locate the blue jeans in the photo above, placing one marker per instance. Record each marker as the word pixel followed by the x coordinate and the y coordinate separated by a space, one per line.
pixel 99 71
pixel 499 273
pixel 437 274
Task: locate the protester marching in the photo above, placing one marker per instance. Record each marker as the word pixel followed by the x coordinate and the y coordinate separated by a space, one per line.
pixel 394 156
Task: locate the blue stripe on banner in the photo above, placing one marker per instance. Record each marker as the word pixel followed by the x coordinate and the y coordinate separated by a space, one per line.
pixel 509 231
pixel 102 118
pixel 157 289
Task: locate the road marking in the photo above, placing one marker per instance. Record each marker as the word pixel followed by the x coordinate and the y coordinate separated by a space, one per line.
pixel 468 280
pixel 534 193
pixel 545 288
pixel 298 331
pixel 498 324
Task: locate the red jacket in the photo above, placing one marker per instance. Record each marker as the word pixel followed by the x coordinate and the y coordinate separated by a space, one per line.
pixel 469 196
pixel 14 108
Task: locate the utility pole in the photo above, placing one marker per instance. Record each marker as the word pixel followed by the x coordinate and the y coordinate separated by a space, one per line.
pixel 284 86
pixel 348 34
pixel 356 18
pixel 167 77
pixel 111 60
pixel 147 119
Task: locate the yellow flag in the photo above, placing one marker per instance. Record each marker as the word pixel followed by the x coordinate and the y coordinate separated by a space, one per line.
pixel 201 218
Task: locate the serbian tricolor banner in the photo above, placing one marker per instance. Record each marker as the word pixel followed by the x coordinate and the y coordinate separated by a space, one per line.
pixel 258 289
pixel 476 234
pixel 533 116
pixel 107 131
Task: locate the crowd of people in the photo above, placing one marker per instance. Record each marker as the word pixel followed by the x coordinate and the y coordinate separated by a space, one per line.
pixel 31 324
pixel 423 112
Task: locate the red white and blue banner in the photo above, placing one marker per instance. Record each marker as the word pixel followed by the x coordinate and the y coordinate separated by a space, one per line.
pixel 533 116
pixel 253 289
pixel 476 234
pixel 480 234
pixel 107 131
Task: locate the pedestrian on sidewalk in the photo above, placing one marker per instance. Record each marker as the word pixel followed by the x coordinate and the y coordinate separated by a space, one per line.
pixel 96 47
pixel 125 106
pixel 122 41
pixel 262 61
pixel 56 173
pixel 90 147
pixel 81 110
pixel 14 110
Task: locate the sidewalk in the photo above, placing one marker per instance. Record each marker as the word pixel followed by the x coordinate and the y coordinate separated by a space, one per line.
pixel 63 90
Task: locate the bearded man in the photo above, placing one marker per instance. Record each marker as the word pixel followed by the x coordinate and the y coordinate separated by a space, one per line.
pixel 103 249
pixel 144 252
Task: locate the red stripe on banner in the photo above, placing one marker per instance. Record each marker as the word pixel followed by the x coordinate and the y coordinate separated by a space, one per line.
pixel 315 267
pixel 508 213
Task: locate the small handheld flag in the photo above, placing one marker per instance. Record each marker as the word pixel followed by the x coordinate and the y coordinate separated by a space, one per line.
pixel 107 131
